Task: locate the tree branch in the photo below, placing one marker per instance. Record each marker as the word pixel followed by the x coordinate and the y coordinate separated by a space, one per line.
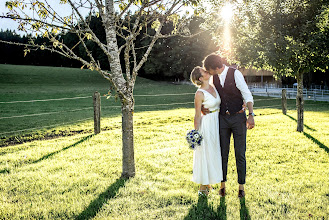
pixel 154 39
pixel 180 35
pixel 36 20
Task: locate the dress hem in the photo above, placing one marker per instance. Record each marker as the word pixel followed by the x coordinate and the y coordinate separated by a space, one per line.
pixel 215 182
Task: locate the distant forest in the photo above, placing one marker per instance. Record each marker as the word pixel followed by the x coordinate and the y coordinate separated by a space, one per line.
pixel 171 58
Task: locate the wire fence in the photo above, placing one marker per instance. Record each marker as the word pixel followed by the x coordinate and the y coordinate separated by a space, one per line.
pixel 308 94
pixel 45 100
pixel 78 109
pixel 269 98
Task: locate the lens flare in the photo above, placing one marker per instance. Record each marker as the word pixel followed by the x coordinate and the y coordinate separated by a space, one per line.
pixel 227 12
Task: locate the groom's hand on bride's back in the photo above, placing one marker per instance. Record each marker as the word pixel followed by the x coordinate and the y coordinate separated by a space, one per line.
pixel 204 110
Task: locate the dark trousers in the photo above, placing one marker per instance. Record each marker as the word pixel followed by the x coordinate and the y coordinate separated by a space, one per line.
pixel 236 125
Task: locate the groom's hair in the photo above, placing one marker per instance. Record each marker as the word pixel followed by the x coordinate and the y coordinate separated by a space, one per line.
pixel 212 61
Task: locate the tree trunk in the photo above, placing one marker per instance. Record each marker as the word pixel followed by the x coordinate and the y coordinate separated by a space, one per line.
pixel 300 103
pixel 128 158
pixel 124 91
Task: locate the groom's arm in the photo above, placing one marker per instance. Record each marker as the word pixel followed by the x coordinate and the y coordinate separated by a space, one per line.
pixel 204 110
pixel 243 87
pixel 250 121
pixel 247 96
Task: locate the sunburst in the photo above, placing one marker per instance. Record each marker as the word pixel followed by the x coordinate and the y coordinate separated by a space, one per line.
pixel 227 12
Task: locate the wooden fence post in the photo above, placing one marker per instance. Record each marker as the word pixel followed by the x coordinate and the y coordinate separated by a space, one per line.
pixel 97 112
pixel 284 101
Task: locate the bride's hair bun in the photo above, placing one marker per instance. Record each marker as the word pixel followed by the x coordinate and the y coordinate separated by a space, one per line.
pixel 195 75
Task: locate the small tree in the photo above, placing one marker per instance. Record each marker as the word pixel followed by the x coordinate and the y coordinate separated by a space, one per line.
pixel 289 38
pixel 124 21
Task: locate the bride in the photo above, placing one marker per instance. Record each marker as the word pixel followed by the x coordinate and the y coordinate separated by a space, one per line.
pixel 207 161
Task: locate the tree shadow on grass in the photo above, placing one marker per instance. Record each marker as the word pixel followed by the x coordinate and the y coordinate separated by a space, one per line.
pixel 94 207
pixel 324 147
pixel 202 210
pixel 244 212
pixel 63 149
pixel 312 129
pixel 7 171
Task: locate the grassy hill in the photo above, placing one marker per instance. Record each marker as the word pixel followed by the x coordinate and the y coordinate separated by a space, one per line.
pixel 35 119
pixel 77 176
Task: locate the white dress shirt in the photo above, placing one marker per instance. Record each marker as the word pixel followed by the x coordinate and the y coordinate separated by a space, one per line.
pixel 239 82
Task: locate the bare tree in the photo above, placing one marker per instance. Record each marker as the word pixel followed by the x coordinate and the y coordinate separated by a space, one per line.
pixel 45 18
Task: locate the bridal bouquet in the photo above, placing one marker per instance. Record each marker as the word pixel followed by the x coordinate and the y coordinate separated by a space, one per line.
pixel 194 138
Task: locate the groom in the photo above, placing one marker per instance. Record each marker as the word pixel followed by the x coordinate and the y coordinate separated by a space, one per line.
pixel 233 91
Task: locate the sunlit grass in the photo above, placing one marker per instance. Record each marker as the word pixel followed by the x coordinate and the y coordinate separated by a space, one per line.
pixel 77 177
pixel 66 172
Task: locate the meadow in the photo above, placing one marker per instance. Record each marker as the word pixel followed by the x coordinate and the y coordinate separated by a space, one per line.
pixel 64 171
pixel 33 92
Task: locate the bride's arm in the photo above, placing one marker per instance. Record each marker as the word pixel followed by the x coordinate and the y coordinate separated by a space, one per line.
pixel 197 104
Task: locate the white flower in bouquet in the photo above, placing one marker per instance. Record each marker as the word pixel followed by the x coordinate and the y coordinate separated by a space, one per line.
pixel 194 138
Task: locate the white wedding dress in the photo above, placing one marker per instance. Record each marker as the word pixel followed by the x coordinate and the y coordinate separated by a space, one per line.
pixel 207 160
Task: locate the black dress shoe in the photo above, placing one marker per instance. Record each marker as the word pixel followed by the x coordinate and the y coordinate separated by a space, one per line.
pixel 222 192
pixel 241 194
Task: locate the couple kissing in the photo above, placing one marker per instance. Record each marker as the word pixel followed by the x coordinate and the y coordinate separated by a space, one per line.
pixel 220 111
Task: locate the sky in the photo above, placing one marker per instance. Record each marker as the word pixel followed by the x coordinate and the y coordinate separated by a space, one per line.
pixel 13 25
pixel 61 9
pixel 6 23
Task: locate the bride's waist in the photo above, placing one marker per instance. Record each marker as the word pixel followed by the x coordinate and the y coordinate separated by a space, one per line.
pixel 214 110
pixel 211 110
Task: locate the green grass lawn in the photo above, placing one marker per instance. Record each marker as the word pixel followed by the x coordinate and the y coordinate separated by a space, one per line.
pixel 44 119
pixel 78 176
